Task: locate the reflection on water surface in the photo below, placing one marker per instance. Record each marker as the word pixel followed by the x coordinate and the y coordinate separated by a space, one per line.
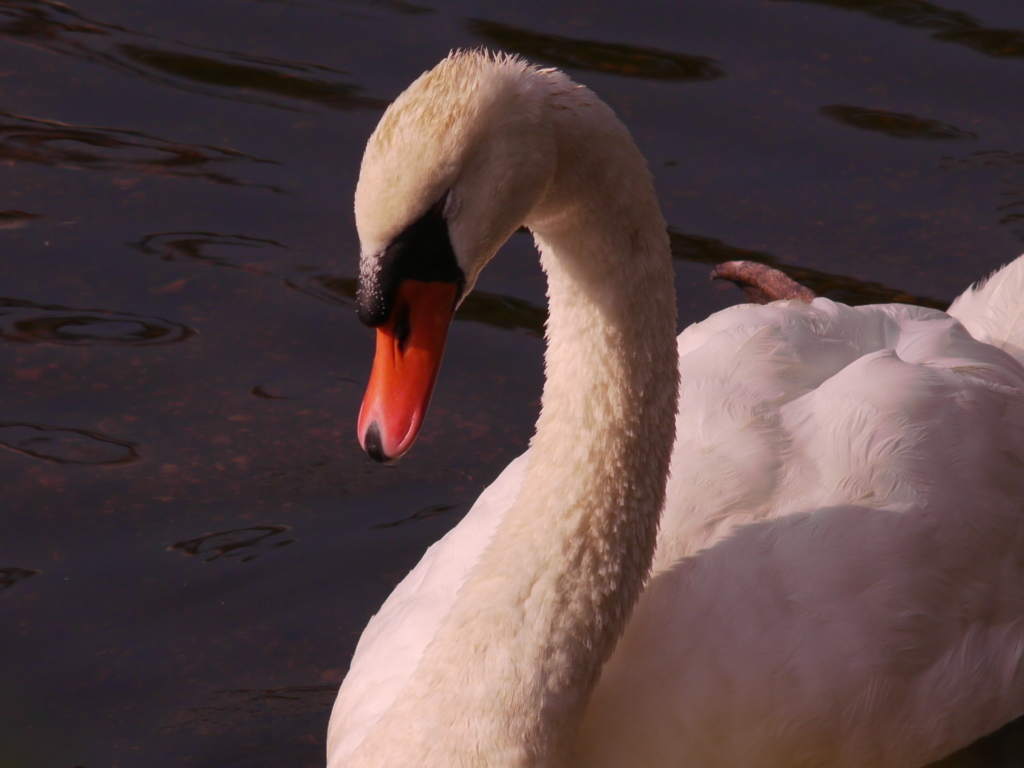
pixel 48 142
pixel 16 219
pixel 247 74
pixel 950 25
pixel 223 74
pixel 66 446
pixel 30 323
pixel 245 543
pixel 1010 169
pixel 634 61
pixel 11 576
pixel 227 710
pixel 893 124
pixel 422 514
pixel 173 246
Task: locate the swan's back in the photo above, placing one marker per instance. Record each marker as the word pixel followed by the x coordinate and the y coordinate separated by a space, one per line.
pixel 791 407
pixel 838 579
pixel 840 573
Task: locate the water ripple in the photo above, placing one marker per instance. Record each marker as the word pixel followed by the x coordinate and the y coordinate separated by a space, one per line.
pixel 11 576
pixel 950 26
pixel 66 446
pixel 260 392
pixel 203 247
pixel 614 58
pixel 1012 211
pixel 230 75
pixel 29 323
pixel 232 70
pixel 403 7
pixel 895 124
pixel 17 219
pixel 232 709
pixel 437 510
pixel 1008 167
pixel 49 142
pixel 246 543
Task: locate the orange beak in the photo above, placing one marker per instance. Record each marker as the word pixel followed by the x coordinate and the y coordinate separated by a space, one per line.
pixel 410 346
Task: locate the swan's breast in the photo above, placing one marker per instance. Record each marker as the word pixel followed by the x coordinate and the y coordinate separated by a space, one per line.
pixel 394 640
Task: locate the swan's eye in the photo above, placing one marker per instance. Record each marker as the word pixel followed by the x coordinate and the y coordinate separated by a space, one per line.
pixel 402 328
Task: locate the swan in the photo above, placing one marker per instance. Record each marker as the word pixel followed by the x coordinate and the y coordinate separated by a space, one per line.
pixel 790 537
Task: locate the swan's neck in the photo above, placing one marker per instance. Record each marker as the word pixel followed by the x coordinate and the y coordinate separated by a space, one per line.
pixel 509 673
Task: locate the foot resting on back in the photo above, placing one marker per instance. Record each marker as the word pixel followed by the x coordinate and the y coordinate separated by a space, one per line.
pixel 760 283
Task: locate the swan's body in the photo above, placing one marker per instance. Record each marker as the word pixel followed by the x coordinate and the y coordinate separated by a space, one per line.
pixel 838 578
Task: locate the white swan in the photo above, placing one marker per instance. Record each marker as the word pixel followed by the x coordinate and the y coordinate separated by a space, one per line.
pixel 838 577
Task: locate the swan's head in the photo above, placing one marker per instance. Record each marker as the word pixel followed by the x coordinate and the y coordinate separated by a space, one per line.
pixel 452 170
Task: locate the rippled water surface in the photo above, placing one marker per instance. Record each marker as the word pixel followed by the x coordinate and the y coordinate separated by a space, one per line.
pixel 190 538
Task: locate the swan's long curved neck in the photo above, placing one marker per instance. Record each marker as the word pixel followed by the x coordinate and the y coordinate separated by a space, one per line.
pixel 509 673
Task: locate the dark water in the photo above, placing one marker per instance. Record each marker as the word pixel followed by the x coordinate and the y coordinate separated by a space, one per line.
pixel 190 539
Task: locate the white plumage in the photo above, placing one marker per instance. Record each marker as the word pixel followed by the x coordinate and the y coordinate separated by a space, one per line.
pixel 838 577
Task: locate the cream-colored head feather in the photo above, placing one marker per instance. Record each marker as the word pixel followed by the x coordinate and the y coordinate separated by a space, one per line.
pixel 471 129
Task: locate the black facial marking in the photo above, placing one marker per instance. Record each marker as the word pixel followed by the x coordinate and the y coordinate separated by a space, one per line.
pixel 374 444
pixel 423 251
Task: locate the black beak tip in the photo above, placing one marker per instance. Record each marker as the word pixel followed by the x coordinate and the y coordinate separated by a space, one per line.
pixel 373 444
